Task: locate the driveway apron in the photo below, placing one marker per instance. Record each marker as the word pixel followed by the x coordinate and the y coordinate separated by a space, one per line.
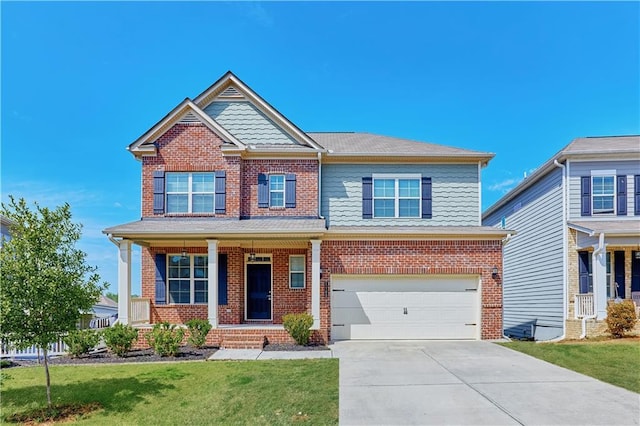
pixel 469 383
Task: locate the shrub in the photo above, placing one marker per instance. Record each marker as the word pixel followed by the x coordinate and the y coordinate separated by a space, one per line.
pixel 621 317
pixel 119 338
pixel 198 330
pixel 80 342
pixel 165 338
pixel 298 326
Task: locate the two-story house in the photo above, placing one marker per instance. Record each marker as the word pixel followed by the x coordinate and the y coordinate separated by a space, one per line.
pixel 577 246
pixel 245 218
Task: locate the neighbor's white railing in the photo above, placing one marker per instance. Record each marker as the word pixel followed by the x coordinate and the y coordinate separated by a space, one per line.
pixel 140 310
pixel 584 305
pixel 7 351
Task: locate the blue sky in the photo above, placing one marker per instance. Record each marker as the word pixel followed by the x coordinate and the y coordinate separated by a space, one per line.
pixel 80 81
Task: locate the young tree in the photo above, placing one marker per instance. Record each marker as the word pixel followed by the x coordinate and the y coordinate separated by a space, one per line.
pixel 45 282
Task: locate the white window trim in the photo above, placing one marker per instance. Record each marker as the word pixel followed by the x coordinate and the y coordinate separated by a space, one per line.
pixel 396 205
pixel 304 271
pixel 604 174
pixel 192 279
pixel 283 191
pixel 190 192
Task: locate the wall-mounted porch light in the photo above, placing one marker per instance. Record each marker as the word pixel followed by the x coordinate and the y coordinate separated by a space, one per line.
pixel 494 273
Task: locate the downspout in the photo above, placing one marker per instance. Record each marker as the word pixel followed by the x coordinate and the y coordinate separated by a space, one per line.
pixel 117 243
pixel 320 187
pixel 505 241
pixel 565 254
pixel 596 252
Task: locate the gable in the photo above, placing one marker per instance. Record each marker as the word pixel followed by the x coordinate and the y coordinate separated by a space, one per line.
pixel 248 124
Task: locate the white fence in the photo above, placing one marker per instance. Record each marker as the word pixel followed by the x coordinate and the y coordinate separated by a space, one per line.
pixel 8 351
pixel 584 305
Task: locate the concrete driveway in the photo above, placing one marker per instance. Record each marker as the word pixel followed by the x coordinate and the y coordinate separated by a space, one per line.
pixel 470 383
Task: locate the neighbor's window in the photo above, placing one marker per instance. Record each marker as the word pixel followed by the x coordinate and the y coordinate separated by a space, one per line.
pixel 190 192
pixel 296 271
pixel 396 197
pixel 188 278
pixel 276 190
pixel 603 194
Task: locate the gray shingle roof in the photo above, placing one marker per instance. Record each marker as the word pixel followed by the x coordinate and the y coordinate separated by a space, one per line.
pixel 609 227
pixel 602 145
pixel 364 144
pixel 212 226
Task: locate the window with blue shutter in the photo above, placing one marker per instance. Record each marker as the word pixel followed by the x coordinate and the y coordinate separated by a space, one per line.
pixel 636 195
pixel 367 197
pixel 222 279
pixel 220 192
pixel 158 192
pixel 621 195
pixel 426 198
pixel 585 196
pixel 161 282
pixel 263 191
pixel 290 191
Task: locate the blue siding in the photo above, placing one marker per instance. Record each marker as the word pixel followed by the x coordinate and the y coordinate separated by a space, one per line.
pixel 533 260
pixel 248 124
pixel 454 194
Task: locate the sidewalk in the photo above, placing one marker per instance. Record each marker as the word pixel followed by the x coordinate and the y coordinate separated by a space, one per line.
pixel 258 354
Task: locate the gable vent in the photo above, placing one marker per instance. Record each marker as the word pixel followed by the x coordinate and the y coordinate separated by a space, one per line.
pixel 189 118
pixel 231 92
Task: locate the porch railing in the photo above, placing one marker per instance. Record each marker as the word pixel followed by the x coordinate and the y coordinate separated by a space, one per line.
pixel 584 305
pixel 140 310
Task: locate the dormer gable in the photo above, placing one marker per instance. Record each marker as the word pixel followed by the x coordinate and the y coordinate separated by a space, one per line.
pixel 251 119
pixel 184 113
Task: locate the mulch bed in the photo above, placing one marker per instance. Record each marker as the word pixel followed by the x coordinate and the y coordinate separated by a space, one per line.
pixel 185 353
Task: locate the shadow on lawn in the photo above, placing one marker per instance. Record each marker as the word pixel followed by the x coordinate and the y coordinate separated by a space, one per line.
pixel 117 394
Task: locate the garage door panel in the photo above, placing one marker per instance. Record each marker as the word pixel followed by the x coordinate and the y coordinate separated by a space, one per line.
pixel 397 307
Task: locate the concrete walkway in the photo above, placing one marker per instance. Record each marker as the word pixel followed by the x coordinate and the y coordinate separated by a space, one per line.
pixel 258 354
pixel 470 383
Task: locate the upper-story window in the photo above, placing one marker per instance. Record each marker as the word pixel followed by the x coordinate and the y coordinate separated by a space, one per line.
pixel 276 190
pixel 396 196
pixel 603 194
pixel 190 192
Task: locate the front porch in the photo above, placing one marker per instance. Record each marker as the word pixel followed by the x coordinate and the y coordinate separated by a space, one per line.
pixel 243 287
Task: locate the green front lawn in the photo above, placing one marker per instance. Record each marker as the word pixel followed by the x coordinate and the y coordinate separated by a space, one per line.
pixel 248 392
pixel 614 361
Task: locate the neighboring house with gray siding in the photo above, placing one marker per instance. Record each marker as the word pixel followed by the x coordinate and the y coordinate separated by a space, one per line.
pixel 5 234
pixel 577 245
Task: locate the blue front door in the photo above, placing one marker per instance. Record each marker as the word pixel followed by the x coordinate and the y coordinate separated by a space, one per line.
pixel 259 291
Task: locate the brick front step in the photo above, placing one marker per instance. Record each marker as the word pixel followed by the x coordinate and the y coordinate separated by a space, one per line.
pixel 243 341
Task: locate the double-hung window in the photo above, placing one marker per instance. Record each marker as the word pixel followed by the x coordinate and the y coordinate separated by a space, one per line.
pixel 190 192
pixel 396 196
pixel 296 271
pixel 603 194
pixel 188 278
pixel 276 190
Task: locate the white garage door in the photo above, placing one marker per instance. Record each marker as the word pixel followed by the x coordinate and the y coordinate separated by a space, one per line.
pixel 405 307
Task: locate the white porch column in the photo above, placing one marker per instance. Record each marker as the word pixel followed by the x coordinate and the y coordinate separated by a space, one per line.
pixel 124 281
pixel 213 282
pixel 599 262
pixel 315 283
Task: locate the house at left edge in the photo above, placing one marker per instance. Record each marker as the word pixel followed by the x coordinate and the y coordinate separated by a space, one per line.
pixel 246 217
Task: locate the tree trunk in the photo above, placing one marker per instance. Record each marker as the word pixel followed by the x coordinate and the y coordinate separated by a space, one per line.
pixel 46 372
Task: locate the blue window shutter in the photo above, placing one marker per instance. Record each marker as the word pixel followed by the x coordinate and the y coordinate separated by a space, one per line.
pixel 290 191
pixel 263 190
pixel 158 192
pixel 636 193
pixel 585 196
pixel 621 196
pixel 222 279
pixel 367 198
pixel 426 198
pixel 161 282
pixel 221 192
pixel 583 271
